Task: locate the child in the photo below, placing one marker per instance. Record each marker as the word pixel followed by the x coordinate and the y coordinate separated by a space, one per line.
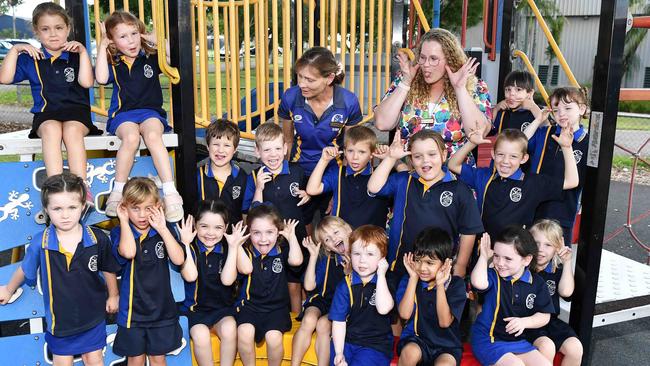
pixel 556 335
pixel 126 59
pixel 428 196
pixel 324 272
pixel 59 74
pixel 360 312
pixel 281 183
pixel 221 179
pixel 515 300
pixel 147 323
pixel 210 296
pixel 518 110
pixel 569 107
pixel 432 300
pixel 349 183
pixel 70 256
pixel 263 313
pixel 505 194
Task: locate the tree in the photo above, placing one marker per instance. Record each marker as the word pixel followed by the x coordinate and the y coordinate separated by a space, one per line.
pixel 633 40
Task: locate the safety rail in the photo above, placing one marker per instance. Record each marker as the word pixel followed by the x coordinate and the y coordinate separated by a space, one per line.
pixel 491 44
pixel 531 69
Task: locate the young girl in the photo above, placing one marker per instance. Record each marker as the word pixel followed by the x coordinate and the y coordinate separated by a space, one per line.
pixel 569 108
pixel 324 271
pixel 263 313
pixel 554 267
pixel 70 257
pixel 126 60
pixel 428 196
pixel 210 296
pixel 59 74
pixel 515 300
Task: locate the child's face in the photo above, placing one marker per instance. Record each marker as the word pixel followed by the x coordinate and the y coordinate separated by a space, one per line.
pixel 264 234
pixel 427 267
pixel 358 155
pixel 272 153
pixel 365 259
pixel 508 262
pixel 508 157
pixel 52 32
pixel 335 239
pixel 210 229
pixel 221 151
pixel 567 114
pixel 64 210
pixel 127 39
pixel 311 83
pixel 516 95
pixel 427 159
pixel 546 250
pixel 139 213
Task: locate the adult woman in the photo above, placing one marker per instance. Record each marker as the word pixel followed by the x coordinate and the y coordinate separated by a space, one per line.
pixel 438 92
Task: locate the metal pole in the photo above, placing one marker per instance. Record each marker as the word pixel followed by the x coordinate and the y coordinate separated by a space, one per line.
pixel 505 64
pixel 436 14
pixel 608 72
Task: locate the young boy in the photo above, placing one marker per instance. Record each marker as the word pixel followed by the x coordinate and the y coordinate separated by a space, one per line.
pixel 505 195
pixel 432 300
pixel 518 109
pixel 360 311
pixel 349 183
pixel 222 179
pixel 143 244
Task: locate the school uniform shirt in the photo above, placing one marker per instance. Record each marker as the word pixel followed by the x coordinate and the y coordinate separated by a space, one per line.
pixel 351 200
pixel 313 133
pixel 230 192
pixel 448 204
pixel 136 85
pixel 546 158
pixel 74 293
pixel 510 297
pixel 354 303
pixel 329 273
pixel 512 200
pixel 53 80
pixel 266 289
pixel 551 276
pixel 517 119
pixel 146 299
pixel 424 320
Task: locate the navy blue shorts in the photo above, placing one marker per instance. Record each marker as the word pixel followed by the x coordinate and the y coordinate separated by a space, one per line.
pixel 208 318
pixel 429 352
pixel 557 330
pixel 279 320
pixel 78 114
pixel 130 342
pixel 361 356
pixel 318 302
pixel 90 340
pixel 135 116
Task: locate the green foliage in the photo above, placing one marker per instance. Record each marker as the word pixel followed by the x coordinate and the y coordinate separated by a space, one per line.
pixel 451 14
pixel 634 106
pixel 6 5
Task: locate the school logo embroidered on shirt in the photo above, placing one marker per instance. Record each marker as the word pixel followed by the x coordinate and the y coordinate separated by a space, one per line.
pixel 297 118
pixel 68 72
pixel 160 253
pixel 577 154
pixel 373 299
pixel 337 118
pixel 236 191
pixel 277 265
pixel 551 287
pixel 148 72
pixel 294 188
pixel 530 301
pixel 446 198
pixel 92 263
pixel 515 194
pixel 524 126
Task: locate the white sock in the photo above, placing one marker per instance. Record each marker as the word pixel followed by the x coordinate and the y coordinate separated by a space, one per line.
pixel 169 188
pixel 118 186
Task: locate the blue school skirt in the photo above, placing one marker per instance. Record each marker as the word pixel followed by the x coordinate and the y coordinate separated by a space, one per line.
pixel 90 340
pixel 135 116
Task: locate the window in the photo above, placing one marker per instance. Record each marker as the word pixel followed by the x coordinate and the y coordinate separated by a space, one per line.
pixel 555 74
pixel 542 72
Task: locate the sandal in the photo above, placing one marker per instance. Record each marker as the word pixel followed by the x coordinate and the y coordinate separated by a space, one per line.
pixel 112 202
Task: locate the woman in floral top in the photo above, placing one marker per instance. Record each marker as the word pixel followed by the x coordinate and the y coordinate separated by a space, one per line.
pixel 438 92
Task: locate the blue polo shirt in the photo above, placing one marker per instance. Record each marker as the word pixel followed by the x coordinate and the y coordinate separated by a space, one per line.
pixel 354 303
pixel 424 322
pixel 266 289
pixel 547 158
pixel 230 192
pixel 146 299
pixel 54 81
pixel 511 200
pixel 75 294
pixel 448 205
pixel 313 133
pixel 552 278
pixel 510 297
pixel 517 119
pixel 351 200
pixel 329 273
pixel 135 86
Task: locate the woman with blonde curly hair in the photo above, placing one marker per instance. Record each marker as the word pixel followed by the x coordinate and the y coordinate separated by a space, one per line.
pixel 437 91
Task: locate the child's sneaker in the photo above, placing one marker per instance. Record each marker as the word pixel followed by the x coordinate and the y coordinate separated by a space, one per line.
pixel 173 207
pixel 111 203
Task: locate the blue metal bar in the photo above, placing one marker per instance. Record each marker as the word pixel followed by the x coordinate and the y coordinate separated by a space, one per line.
pixel 436 14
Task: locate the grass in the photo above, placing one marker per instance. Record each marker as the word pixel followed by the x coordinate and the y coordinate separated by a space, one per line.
pixel 620 162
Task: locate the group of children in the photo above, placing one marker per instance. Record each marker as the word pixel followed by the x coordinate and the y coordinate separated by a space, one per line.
pixel 248 255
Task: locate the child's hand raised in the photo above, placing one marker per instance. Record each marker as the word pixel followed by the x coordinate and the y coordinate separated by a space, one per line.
pixel 238 236
pixel 476 137
pixel 330 153
pixel 515 325
pixel 409 264
pixel 187 230
pixel 502 105
pixel 122 212
pixel 382 267
pixel 566 137
pixel 289 230
pixel 312 248
pixel 74 46
pixel 347 264
pixel 444 273
pixel 304 197
pixel 262 178
pixel 529 104
pixel 396 150
pixel 156 218
pixel 381 152
pixel 485 249
pixel 565 255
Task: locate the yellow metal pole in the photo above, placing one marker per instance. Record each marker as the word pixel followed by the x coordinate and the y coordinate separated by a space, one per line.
pixel 217 59
pixel 299 26
pixel 531 69
pixel 344 21
pixel 353 41
pixel 362 54
pixel 260 58
pixel 387 37
pixel 247 62
pixel 141 10
pixel 380 31
pixel 322 21
pixel 102 101
pixel 203 58
pixel 332 19
pixel 286 34
pixel 276 58
pixel 111 6
pixel 312 10
pixel 195 86
pixel 421 16
pixel 234 65
pixel 125 5
pixel 371 49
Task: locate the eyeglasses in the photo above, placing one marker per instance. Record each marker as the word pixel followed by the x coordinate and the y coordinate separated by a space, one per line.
pixel 432 60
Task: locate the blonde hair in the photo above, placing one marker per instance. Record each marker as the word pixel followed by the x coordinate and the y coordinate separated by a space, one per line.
pixel 512 135
pixel 124 17
pixel 140 189
pixel 330 222
pixel 268 131
pixel 552 230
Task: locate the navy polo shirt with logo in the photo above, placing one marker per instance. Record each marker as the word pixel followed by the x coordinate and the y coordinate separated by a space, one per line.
pixel 354 303
pixel 547 158
pixel 135 86
pixel 329 273
pixel 146 299
pixel 351 201
pixel 512 200
pixel 53 80
pixel 75 294
pixel 424 322
pixel 517 119
pixel 449 205
pixel 510 297
pixel 266 289
pixel 230 192
pixel 551 276
pixel 313 133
